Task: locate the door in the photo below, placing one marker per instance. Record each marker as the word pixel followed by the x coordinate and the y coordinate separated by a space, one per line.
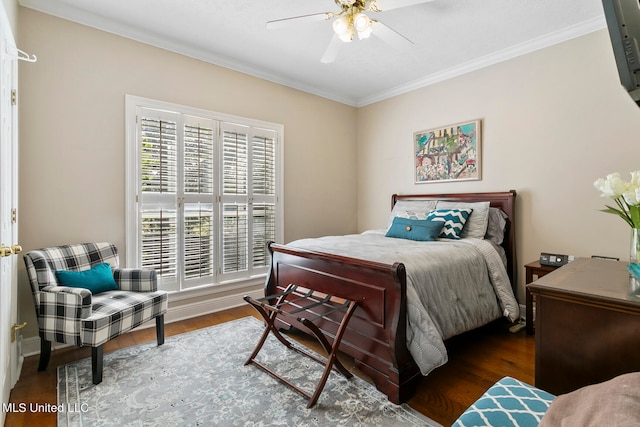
pixel 10 359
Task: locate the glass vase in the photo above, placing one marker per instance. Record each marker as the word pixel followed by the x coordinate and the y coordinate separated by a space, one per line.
pixel 634 255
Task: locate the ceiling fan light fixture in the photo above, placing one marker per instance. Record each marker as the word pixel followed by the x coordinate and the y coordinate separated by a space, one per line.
pixel 353 18
pixel 343 28
pixel 362 24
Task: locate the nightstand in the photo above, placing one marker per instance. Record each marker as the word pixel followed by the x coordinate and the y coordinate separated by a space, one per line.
pixel 533 269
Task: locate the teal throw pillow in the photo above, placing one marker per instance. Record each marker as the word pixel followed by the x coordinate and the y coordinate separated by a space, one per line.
pixel 414 229
pixel 97 279
pixel 452 220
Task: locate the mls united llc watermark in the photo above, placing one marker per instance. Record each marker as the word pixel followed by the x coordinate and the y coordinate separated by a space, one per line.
pixel 23 407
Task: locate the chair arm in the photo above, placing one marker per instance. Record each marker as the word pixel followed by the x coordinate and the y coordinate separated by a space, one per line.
pixel 136 279
pixel 75 301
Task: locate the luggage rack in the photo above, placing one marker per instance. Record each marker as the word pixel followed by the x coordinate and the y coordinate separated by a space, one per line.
pixel 301 307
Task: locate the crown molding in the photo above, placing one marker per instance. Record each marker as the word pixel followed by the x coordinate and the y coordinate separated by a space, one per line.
pixel 529 46
pixel 73 14
pixel 81 17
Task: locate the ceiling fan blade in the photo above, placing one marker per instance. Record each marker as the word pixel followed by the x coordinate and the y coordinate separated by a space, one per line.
pixel 384 5
pixel 285 22
pixel 390 36
pixel 332 50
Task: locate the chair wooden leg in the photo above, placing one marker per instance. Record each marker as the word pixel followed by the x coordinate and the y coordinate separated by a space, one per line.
pixel 45 354
pixel 96 364
pixel 160 329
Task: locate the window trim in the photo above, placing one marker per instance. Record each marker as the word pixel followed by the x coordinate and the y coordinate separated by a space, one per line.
pixel 132 179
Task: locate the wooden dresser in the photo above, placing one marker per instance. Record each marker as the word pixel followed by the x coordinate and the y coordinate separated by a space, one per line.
pixel 587 324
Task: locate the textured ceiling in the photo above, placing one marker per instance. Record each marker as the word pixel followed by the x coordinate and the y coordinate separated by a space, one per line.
pixel 450 37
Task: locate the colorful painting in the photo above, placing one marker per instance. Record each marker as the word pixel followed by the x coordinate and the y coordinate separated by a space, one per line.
pixel 449 153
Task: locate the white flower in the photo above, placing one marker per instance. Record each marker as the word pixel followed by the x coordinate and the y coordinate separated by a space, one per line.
pixel 625 194
pixel 613 186
pixel 632 196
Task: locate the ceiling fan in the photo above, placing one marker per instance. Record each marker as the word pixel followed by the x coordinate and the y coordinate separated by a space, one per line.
pixel 352 19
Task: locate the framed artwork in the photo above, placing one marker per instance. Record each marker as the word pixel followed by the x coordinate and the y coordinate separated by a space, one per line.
pixel 450 153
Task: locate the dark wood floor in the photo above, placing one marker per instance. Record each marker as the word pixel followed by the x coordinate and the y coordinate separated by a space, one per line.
pixel 476 360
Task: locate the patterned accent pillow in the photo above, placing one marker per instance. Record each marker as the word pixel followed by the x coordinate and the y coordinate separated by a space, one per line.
pixel 453 219
pixel 476 225
pixel 508 403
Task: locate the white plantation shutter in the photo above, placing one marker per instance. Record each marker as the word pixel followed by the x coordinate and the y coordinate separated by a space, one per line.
pixel 159 155
pixel 159 241
pixel 235 160
pixel 235 238
pixel 198 241
pixel 199 181
pixel 235 199
pixel 199 158
pixel 263 164
pixel 205 192
pixel 158 228
pixel 264 230
pixel 248 198
pixel 177 176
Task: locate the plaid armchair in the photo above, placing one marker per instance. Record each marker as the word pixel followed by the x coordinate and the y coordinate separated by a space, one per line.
pixel 74 315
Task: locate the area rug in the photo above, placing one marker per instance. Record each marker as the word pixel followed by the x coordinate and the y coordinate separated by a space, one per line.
pixel 199 379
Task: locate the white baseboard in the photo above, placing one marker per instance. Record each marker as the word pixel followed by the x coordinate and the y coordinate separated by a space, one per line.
pixel 187 311
pixel 31 346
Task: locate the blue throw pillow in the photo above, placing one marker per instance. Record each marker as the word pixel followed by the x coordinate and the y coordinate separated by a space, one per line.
pixel 98 279
pixel 453 221
pixel 414 229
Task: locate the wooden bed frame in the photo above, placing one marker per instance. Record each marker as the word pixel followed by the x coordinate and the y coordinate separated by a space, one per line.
pixel 376 335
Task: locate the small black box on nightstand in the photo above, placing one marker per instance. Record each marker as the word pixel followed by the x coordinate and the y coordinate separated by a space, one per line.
pixel 553 260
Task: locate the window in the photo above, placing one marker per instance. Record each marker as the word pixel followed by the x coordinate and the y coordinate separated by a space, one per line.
pixel 203 194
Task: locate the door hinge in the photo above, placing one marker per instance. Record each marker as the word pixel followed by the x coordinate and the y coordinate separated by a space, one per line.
pixel 14 216
pixel 14 97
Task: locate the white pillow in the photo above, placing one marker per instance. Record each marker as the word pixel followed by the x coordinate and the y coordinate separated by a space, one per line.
pixel 476 225
pixel 411 208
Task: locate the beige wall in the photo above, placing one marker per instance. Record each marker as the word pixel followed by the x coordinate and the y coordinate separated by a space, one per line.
pixel 72 135
pixel 553 122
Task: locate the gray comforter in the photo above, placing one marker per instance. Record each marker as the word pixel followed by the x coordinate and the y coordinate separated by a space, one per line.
pixel 453 286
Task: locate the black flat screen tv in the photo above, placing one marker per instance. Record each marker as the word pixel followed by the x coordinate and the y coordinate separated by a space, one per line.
pixel 623 22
